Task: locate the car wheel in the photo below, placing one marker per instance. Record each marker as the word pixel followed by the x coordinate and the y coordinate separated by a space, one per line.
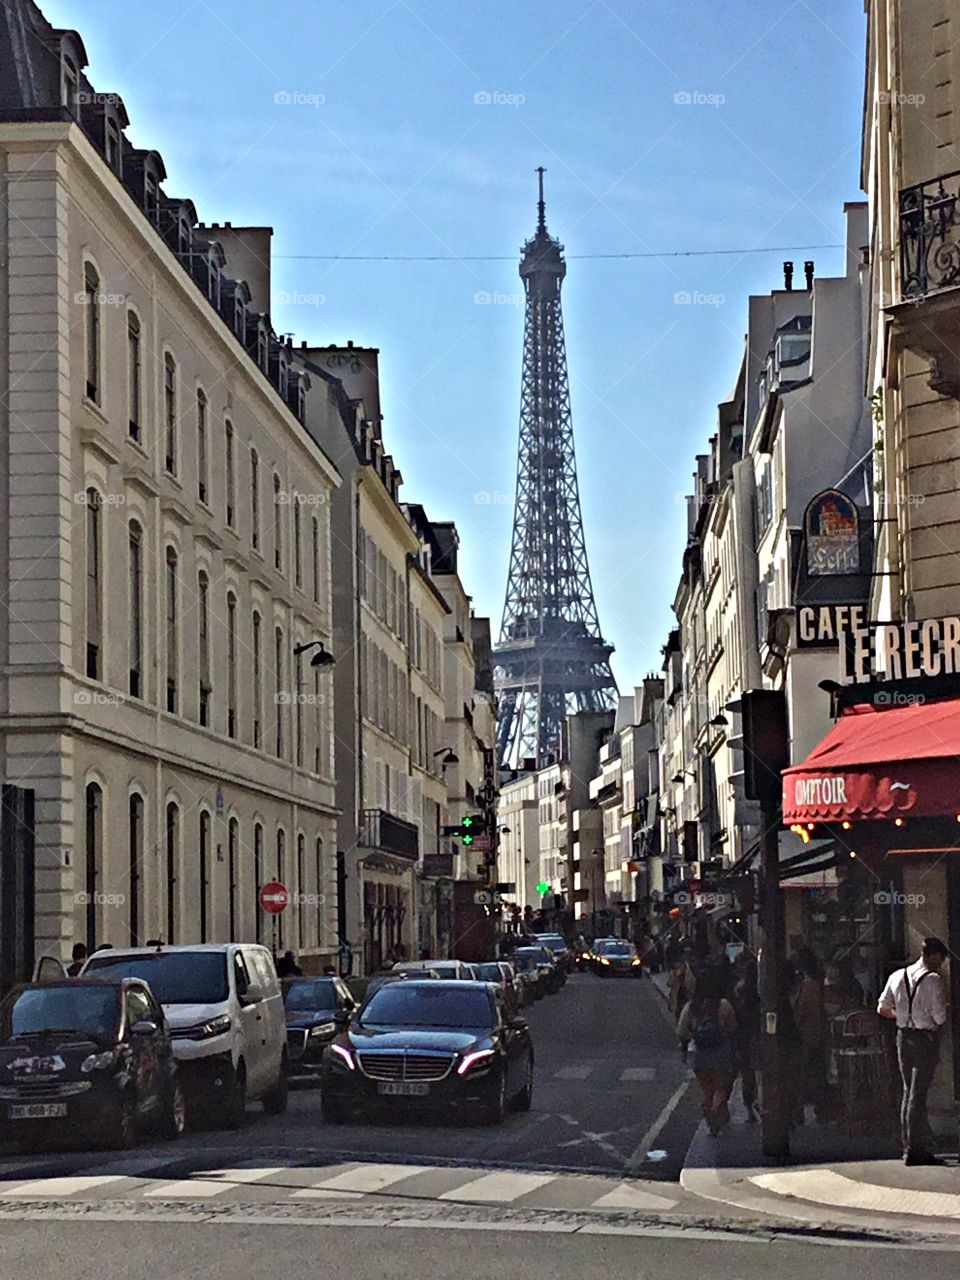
pixel 175 1115
pixel 333 1110
pixel 122 1131
pixel 525 1096
pixel 275 1102
pixel 497 1108
pixel 235 1107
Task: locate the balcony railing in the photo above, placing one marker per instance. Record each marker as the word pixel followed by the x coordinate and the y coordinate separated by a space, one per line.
pixel 390 834
pixel 930 236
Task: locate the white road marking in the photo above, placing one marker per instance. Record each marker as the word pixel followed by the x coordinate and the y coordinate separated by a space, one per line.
pixel 826 1187
pixel 628 1197
pixel 644 1074
pixel 367 1178
pixel 579 1071
pixel 214 1183
pixel 498 1188
pixel 650 1137
pixel 54 1188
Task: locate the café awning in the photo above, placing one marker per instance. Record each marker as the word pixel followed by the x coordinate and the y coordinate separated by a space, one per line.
pixel 880 764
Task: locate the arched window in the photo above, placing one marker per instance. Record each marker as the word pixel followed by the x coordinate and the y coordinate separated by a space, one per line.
pixel 233 854
pixel 93 860
pixel 255 499
pixel 315 552
pixel 282 377
pixel 170 413
pixel 213 279
pixel 203 621
pixel 172 871
pixel 203 873
pixel 298 710
pixel 318 856
pixel 230 475
pixel 281 872
pixel 257 680
pixel 94 557
pixel 69 84
pixel 277 524
pixel 172 627
pixel 297 539
pixel 231 665
pixel 203 478
pixel 262 348
pixel 258 879
pixel 135 540
pixel 134 376
pixel 135 899
pixel 278 656
pixel 91 297
pixel 301 891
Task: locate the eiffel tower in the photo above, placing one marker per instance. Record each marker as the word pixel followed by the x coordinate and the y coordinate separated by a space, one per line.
pixel 551 659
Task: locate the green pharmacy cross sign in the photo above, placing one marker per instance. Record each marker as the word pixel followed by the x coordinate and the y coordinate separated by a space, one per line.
pixel 543 887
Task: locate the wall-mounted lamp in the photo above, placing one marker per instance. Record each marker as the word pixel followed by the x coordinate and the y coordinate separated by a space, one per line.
pixel 322 658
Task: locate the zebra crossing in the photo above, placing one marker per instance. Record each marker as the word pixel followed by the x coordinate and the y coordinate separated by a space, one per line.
pixel 157 1180
pixel 584 1070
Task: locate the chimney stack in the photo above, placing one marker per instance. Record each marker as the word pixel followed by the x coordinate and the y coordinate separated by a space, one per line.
pixel 808 272
pixel 788 276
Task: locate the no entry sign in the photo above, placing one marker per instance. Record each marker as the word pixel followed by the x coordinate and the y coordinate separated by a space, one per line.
pixel 274 897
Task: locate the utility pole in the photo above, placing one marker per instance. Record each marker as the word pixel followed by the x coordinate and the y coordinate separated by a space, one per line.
pixel 766 753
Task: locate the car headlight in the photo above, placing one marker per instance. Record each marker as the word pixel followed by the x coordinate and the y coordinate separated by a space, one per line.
pixel 479 1057
pixel 215 1027
pixel 636 960
pixel 322 1029
pixel 342 1056
pixel 99 1061
pixel 604 960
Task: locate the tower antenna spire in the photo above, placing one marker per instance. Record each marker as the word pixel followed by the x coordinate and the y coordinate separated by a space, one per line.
pixel 541 207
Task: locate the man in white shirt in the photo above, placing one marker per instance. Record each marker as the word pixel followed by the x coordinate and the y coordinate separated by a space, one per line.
pixel 916 999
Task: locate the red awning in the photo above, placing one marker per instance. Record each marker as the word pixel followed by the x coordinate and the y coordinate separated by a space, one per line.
pixel 880 764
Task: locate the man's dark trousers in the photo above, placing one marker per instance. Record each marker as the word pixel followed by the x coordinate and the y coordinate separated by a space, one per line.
pixel 917 1053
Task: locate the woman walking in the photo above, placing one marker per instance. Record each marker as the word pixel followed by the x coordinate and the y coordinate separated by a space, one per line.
pixel 708 1020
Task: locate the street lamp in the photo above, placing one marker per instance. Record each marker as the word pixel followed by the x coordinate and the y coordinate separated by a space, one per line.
pixel 449 756
pixel 322 658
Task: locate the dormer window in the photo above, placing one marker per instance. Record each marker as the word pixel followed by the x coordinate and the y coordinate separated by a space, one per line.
pixel 69 85
pixel 183 237
pixel 301 401
pixel 213 281
pixel 282 378
pixel 239 317
pixel 151 198
pixel 262 348
pixel 112 145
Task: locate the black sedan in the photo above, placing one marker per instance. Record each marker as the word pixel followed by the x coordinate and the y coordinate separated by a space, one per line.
pixel 86 1060
pixel 450 1046
pixel 312 1006
pixel 617 958
pixel 538 965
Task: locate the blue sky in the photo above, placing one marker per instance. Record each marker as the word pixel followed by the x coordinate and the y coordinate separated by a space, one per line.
pixel 384 150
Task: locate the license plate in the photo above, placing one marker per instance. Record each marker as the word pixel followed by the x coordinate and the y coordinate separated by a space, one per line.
pixel 403 1088
pixel 36 1110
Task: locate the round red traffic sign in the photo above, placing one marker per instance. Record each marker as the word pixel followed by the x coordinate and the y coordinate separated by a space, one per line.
pixel 274 897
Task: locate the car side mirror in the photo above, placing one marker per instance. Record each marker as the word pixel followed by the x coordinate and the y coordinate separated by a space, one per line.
pixel 145 1027
pixel 253 994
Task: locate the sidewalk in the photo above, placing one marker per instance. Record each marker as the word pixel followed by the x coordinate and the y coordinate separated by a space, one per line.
pixel 848 1181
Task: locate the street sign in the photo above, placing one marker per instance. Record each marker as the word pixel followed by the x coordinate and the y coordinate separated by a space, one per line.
pixel 274 897
pixel 483 898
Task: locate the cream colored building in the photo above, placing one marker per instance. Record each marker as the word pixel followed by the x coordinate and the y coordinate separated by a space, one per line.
pixel 158 564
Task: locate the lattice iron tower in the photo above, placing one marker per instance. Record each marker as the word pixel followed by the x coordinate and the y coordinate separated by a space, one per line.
pixel 551 659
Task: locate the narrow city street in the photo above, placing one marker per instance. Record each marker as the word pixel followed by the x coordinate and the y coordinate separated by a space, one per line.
pixel 612 1118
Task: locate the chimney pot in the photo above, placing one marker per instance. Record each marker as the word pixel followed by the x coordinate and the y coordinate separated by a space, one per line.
pixel 808 272
pixel 788 276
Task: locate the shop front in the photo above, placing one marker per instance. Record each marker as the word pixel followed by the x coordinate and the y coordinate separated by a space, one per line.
pixel 884 786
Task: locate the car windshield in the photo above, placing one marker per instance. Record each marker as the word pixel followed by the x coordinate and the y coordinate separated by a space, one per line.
pixel 175 977
pixel 403 1005
pixel 81 1010
pixel 311 997
pixel 617 949
pixel 527 959
pixel 555 944
pixel 490 973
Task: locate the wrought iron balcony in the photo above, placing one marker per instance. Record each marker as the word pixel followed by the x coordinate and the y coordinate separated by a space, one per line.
pixel 389 834
pixel 926 319
pixel 930 236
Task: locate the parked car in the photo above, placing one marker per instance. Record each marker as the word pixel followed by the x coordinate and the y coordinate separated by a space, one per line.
pixel 450 970
pixel 501 975
pixel 87 1060
pixel 557 944
pixel 225 1012
pixel 381 979
pixel 312 1006
pixel 617 958
pixel 536 963
pixel 450 1046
